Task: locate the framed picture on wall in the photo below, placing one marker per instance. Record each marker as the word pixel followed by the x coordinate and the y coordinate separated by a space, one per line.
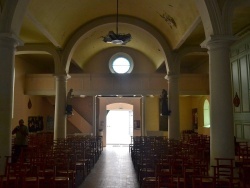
pixel 35 123
pixel 50 123
pixel 195 118
pixel 137 124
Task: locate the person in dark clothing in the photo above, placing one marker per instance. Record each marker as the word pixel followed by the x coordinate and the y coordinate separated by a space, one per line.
pixel 21 140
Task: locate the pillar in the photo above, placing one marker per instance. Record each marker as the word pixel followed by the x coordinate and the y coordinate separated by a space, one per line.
pixel 60 122
pixel 143 129
pixel 173 103
pixel 94 116
pixel 221 113
pixel 8 45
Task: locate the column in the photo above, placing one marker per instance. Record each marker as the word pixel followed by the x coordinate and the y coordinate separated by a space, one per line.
pixel 143 129
pixel 94 116
pixel 173 103
pixel 60 122
pixel 221 113
pixel 8 44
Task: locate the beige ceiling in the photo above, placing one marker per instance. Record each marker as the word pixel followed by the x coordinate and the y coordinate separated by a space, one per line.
pixel 177 21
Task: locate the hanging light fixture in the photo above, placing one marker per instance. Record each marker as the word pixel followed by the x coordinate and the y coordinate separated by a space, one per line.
pixel 117 38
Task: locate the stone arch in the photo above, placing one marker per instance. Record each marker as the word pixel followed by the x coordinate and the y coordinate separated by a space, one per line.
pixel 115 105
pixel 76 37
pixel 216 20
pixel 12 16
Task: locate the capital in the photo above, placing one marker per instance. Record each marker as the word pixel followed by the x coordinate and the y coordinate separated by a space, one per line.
pixel 215 41
pixel 6 38
pixel 171 76
pixel 62 76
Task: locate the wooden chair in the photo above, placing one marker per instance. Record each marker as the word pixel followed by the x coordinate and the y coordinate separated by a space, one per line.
pixel 240 152
pixel 12 174
pixel 30 176
pixel 246 155
pixel 150 182
pixel 59 181
pixel 203 181
pixel 23 173
pixel 46 169
pixel 245 166
pixel 224 173
pixel 168 181
pixel 64 172
pixel 189 171
pixel 164 172
pixel 83 164
pixel 245 175
pixel 147 170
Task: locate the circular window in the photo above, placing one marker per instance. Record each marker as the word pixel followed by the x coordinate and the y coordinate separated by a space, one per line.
pixel 121 63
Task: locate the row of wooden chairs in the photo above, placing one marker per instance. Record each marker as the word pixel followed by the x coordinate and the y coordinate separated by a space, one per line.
pixel 242 152
pixel 52 163
pixel 225 173
pixel 161 163
pixel 149 154
pixel 243 162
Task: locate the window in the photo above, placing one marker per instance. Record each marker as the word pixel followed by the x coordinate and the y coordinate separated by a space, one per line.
pixel 121 63
pixel 206 111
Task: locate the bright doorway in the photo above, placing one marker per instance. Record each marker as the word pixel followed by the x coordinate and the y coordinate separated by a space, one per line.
pixel 119 127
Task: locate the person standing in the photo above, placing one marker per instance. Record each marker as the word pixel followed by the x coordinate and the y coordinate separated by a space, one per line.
pixel 21 140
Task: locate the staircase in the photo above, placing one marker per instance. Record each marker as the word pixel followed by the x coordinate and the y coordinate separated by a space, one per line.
pixel 80 123
pixel 76 120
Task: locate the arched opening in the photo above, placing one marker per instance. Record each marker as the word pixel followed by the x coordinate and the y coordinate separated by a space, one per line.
pixel 206 112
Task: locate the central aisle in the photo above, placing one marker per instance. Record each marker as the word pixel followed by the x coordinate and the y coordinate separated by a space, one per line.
pixel 114 169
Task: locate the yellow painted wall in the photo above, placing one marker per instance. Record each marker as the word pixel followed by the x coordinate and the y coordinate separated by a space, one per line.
pixel 185 113
pixel 40 104
pixel 100 62
pixel 187 103
pixel 152 114
pixel 42 107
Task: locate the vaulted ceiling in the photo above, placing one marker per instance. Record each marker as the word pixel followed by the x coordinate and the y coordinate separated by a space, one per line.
pixel 176 21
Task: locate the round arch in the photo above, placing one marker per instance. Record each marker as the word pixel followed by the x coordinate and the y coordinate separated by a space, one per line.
pixel 81 32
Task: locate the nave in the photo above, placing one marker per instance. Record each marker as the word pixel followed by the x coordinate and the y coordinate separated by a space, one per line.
pixel 148 162
pixel 76 161
pixel 114 169
pixel 182 164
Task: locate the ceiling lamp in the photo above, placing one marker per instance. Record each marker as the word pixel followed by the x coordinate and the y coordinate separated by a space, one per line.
pixel 117 38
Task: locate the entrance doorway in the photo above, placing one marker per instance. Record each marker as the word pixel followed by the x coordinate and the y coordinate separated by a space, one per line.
pixel 119 127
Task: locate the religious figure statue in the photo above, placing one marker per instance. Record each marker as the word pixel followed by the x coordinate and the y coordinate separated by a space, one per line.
pixel 164 103
pixel 69 108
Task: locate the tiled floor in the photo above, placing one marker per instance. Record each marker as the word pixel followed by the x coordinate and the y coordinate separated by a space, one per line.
pixel 114 169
